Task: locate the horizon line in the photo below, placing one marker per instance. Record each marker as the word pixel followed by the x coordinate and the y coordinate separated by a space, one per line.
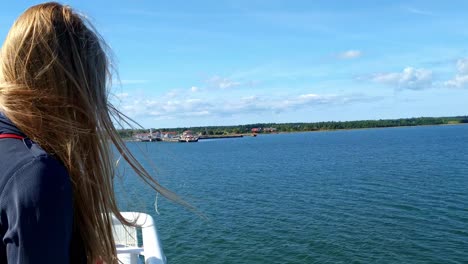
pixel 301 122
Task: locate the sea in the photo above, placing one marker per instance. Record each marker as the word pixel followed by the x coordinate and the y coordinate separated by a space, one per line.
pixel 389 195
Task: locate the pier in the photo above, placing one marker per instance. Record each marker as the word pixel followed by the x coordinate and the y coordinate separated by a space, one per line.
pixel 219 136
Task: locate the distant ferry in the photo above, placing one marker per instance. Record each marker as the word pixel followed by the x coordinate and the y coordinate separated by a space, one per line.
pixel 188 136
pixel 187 139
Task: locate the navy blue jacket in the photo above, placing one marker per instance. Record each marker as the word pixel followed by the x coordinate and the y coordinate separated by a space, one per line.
pixel 36 204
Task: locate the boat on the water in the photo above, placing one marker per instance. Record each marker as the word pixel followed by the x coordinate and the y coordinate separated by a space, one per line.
pixel 131 247
pixel 188 139
pixel 187 136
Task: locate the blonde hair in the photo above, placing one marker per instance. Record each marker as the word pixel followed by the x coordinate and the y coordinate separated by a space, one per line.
pixel 54 77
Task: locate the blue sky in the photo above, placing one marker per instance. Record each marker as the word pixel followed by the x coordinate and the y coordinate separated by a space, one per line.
pixel 197 63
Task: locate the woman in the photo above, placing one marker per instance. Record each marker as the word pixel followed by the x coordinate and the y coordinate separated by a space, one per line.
pixel 56 163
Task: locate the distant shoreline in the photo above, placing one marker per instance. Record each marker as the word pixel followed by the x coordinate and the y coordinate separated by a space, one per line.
pixel 298 132
pixel 364 128
pixel 347 129
pixel 283 128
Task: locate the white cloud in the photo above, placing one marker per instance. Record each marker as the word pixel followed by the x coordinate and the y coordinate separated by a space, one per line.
pixel 459 81
pixel 350 54
pixel 194 89
pixel 174 93
pixel 419 11
pixel 122 95
pixel 410 78
pixel 184 108
pixel 222 83
pixel 250 98
pixel 300 101
pixel 461 78
pixel 462 66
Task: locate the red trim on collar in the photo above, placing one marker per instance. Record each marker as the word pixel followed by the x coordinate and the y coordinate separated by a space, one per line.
pixel 10 136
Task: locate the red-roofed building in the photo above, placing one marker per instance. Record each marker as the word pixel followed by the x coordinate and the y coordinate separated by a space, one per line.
pixel 256 129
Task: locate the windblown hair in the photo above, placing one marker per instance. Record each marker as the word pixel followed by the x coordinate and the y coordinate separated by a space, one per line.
pixel 54 80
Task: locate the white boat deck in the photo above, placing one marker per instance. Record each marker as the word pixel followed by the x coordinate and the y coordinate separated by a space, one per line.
pixel 130 247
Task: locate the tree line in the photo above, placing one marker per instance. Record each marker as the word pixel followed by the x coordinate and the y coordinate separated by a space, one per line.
pixel 304 127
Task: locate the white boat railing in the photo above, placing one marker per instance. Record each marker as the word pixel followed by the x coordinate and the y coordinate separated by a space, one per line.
pixel 130 247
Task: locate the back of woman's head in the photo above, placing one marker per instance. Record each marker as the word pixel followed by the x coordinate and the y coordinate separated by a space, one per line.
pixel 54 73
pixel 55 69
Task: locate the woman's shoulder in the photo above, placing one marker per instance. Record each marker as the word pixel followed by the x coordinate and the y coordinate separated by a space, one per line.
pixel 21 159
pixel 24 162
pixel 39 172
pixel 14 152
pixel 36 203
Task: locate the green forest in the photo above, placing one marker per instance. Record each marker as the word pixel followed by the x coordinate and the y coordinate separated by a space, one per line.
pixel 304 127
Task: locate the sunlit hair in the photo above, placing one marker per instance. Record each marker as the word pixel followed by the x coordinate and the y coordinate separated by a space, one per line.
pixel 54 80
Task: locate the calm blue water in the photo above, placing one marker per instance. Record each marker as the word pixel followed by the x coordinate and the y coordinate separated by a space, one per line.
pixel 397 195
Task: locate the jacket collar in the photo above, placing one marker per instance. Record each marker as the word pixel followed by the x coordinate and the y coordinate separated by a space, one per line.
pixel 7 127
